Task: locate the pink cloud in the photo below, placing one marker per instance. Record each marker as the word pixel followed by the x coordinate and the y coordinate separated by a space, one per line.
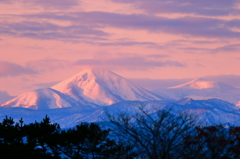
pixel 48 65
pixel 128 63
pixel 46 4
pixel 89 25
pixel 158 56
pixel 12 69
pixel 203 7
pixel 47 30
pixel 232 48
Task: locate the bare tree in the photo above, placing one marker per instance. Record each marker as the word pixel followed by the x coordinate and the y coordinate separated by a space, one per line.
pixel 155 135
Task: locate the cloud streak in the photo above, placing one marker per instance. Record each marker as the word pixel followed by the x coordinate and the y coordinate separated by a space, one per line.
pixel 48 65
pixel 130 63
pixel 47 30
pixel 12 69
pixel 203 7
pixel 46 4
pixel 90 24
pixel 232 48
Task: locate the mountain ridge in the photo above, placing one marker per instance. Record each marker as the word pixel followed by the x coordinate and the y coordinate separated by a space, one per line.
pixel 86 96
pixel 200 83
pixel 92 87
pixel 102 87
pixel 200 89
pixel 45 98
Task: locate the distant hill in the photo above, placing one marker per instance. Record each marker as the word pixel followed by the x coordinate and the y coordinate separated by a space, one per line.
pixel 202 89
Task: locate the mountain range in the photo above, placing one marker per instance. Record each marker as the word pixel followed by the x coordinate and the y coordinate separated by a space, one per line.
pixel 89 94
pixel 94 87
pixel 202 89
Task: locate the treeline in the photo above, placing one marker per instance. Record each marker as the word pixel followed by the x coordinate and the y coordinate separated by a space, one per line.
pixel 160 135
pixel 163 135
pixel 44 140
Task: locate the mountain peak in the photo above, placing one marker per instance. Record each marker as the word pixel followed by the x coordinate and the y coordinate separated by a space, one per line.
pixel 93 74
pixel 92 87
pixel 102 87
pixel 199 79
pixel 201 83
pixel 184 101
pixel 95 71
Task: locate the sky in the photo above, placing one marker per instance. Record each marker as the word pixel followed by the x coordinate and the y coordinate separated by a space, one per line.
pixel 43 42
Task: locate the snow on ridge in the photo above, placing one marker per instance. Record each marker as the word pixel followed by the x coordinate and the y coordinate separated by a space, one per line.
pixel 92 88
pixel 41 99
pixel 202 89
pixel 83 96
pixel 201 83
pixel 209 111
pixel 102 87
pixel 184 101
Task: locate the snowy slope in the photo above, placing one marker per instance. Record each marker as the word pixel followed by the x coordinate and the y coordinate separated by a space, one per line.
pixel 202 89
pixel 90 88
pixel 103 87
pixel 212 111
pixel 86 97
pixel 40 99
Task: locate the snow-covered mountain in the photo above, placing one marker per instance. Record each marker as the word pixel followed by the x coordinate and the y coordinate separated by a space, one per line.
pixel 207 112
pixel 86 97
pixel 210 111
pixel 202 89
pixel 93 87
pixel 200 83
pixel 103 87
pixel 40 99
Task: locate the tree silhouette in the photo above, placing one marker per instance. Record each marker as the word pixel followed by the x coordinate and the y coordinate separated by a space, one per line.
pixel 87 141
pixel 154 136
pixel 44 139
pixel 161 135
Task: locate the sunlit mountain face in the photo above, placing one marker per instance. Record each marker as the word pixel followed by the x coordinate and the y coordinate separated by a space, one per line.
pixel 42 99
pixel 200 89
pixel 85 97
pixel 200 83
pixel 92 87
